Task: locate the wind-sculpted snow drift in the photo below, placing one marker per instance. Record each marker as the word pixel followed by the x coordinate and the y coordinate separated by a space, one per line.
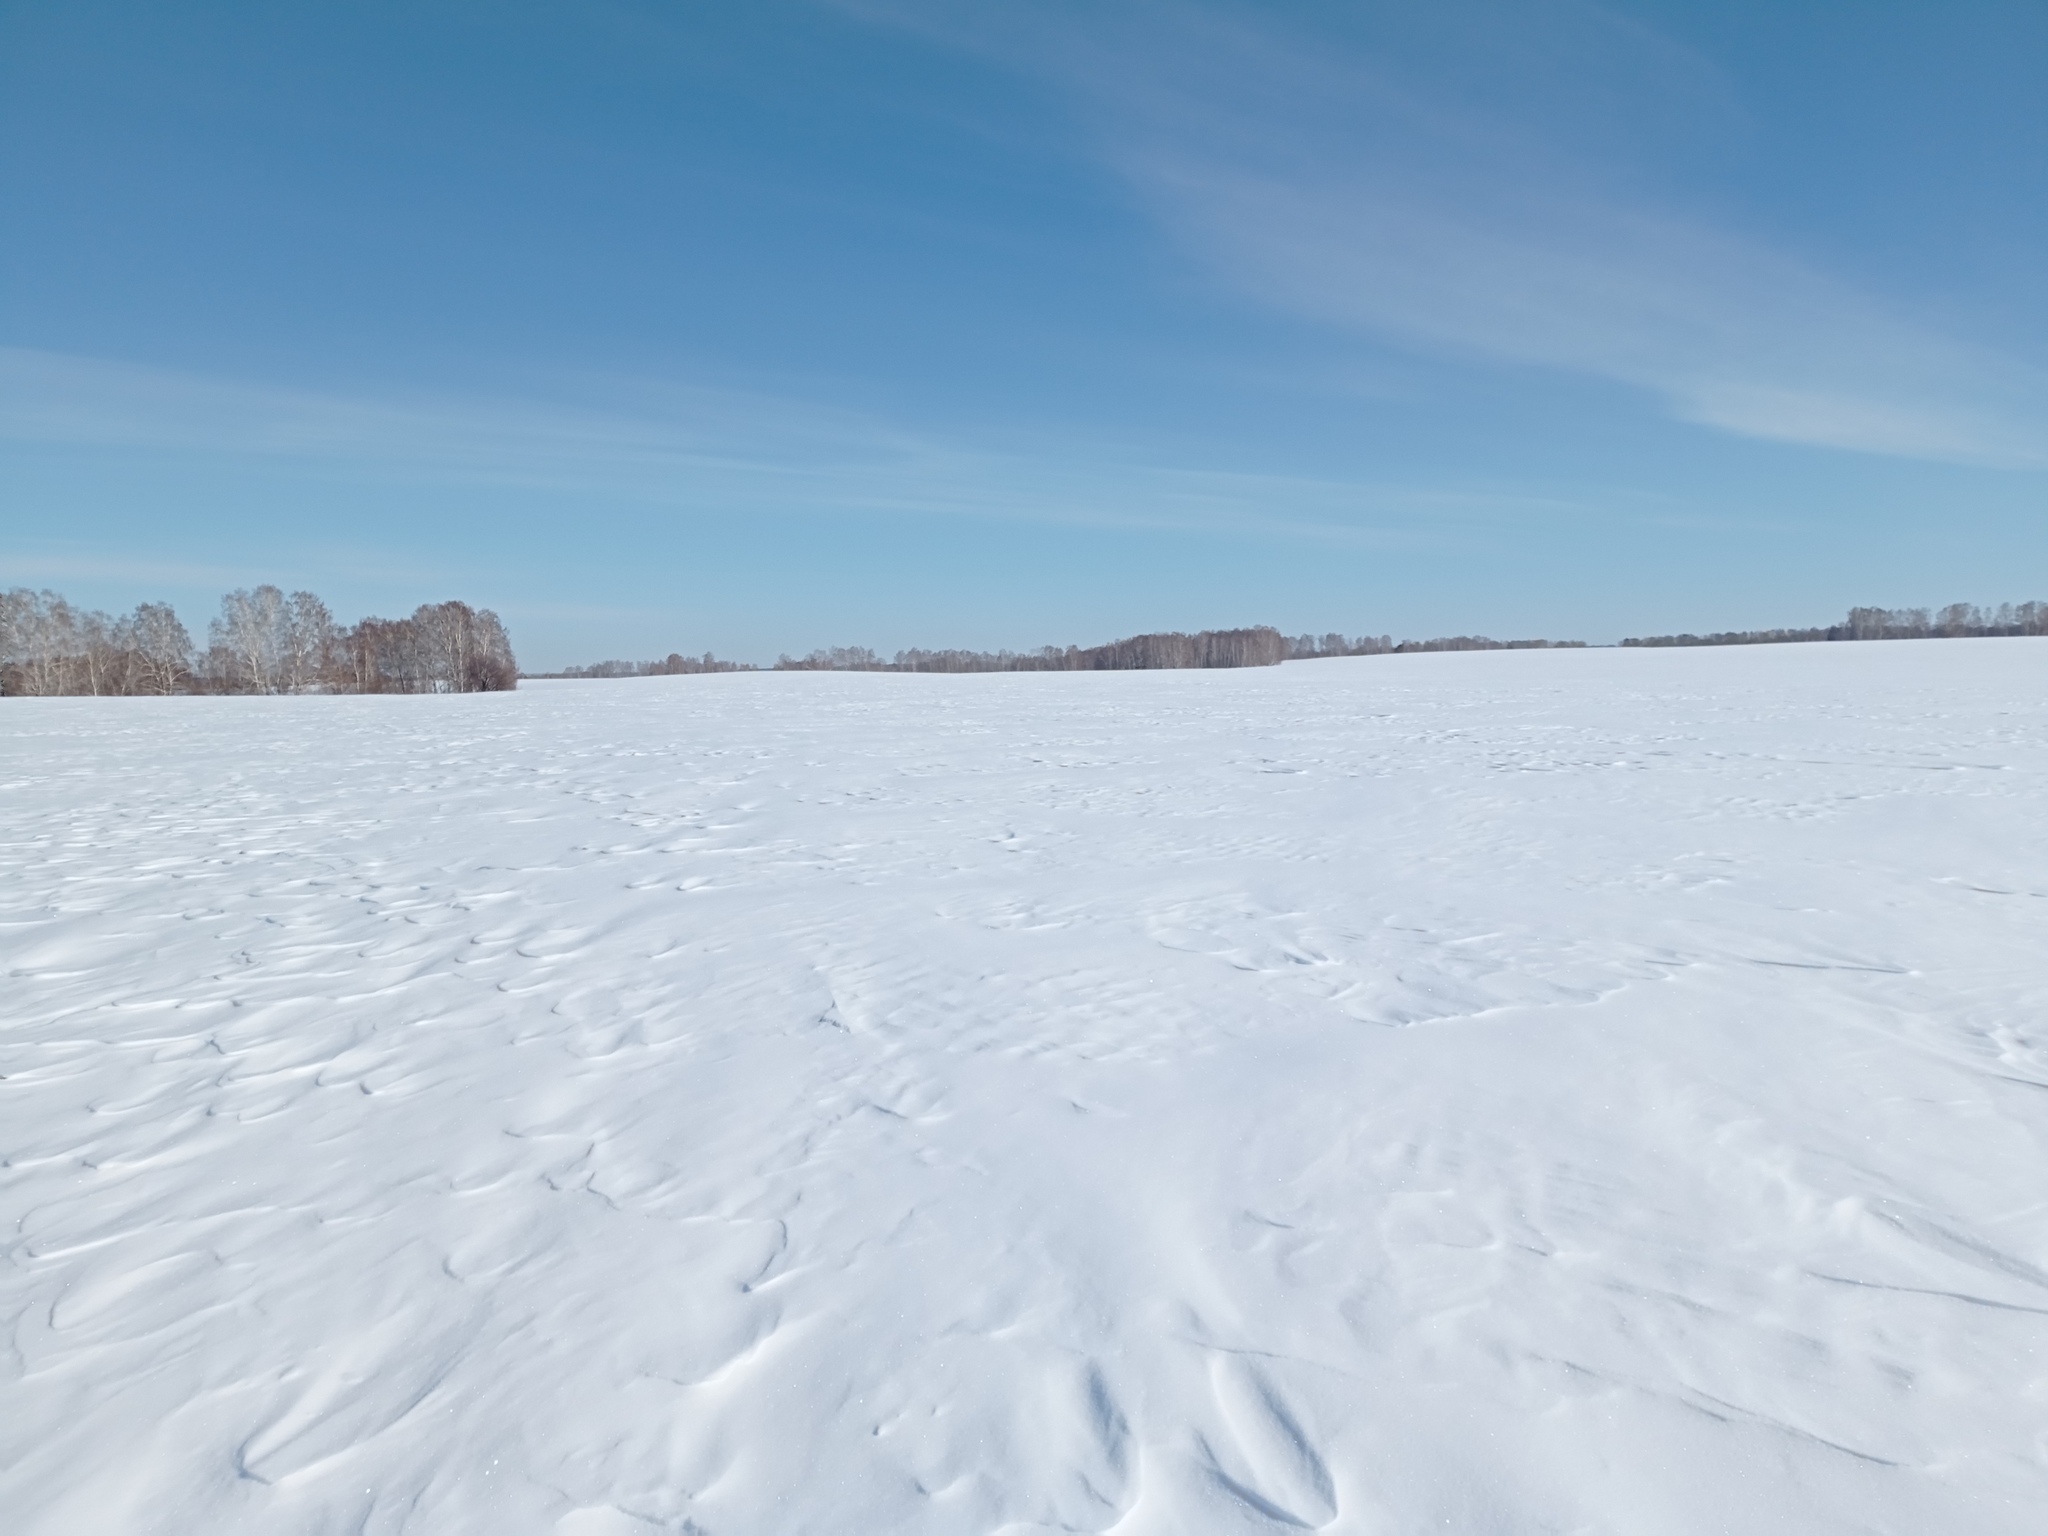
pixel 1517 1092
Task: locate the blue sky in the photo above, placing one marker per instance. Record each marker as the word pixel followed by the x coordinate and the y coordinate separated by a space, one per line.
pixel 754 328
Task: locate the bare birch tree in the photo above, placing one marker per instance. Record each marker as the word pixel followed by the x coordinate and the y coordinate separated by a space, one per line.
pixel 443 631
pixel 17 619
pixel 460 649
pixel 306 636
pixel 493 668
pixel 162 649
pixel 98 660
pixel 262 642
pixel 41 641
pixel 249 635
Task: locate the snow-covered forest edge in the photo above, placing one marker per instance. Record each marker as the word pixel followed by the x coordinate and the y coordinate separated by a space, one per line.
pixel 261 642
pixel 264 641
pixel 1266 646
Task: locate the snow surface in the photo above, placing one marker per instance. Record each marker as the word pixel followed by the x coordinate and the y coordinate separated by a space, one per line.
pixel 1541 1092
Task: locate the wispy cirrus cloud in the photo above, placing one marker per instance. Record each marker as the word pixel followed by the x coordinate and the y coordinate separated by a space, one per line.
pixel 659 435
pixel 1406 193
pixel 717 449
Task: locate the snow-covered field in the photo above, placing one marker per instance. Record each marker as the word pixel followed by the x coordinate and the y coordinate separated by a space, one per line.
pixel 1533 1092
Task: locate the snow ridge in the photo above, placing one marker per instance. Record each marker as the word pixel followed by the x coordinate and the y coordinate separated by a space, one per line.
pixel 1509 1092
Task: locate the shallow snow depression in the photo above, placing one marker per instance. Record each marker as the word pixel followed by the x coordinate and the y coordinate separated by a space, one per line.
pixel 1598 1091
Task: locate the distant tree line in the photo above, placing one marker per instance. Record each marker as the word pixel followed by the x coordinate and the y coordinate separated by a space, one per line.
pixel 1310 647
pixel 262 642
pixel 1260 647
pixel 673 665
pixel 1263 646
pixel 1955 622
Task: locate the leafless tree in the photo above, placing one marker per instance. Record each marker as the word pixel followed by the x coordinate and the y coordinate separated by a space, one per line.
pixel 15 607
pixel 39 631
pixel 262 642
pixel 249 638
pixel 305 639
pixel 376 656
pixel 100 659
pixel 443 648
pixel 492 666
pixel 463 649
pixel 446 632
pixel 18 623
pixel 355 664
pixel 162 649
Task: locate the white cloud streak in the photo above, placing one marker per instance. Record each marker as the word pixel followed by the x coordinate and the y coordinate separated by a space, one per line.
pixel 1727 333
pixel 720 451
pixel 1343 186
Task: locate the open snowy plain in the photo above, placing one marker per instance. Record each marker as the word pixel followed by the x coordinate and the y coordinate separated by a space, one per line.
pixel 1532 1092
